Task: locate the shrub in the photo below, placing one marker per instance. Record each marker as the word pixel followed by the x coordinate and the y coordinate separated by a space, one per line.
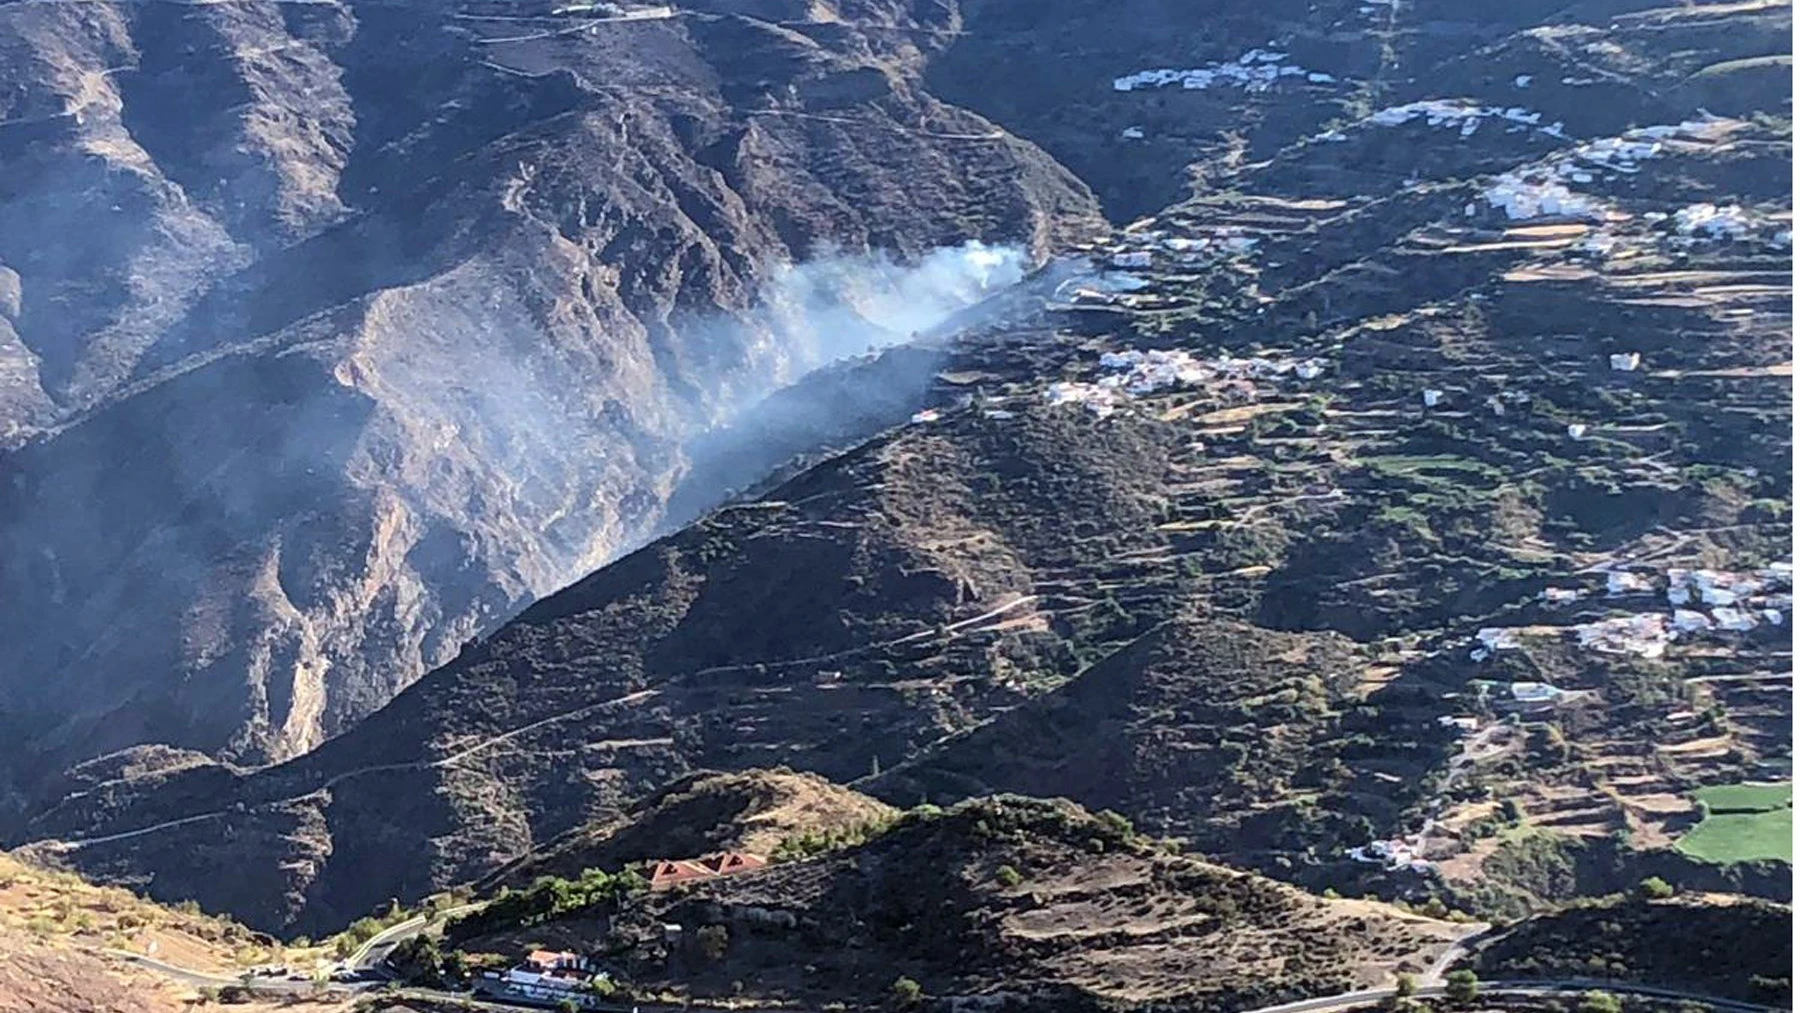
pixel 1462 986
pixel 1117 824
pixel 1009 877
pixel 907 992
pixel 713 939
pixel 1655 888
pixel 1598 1002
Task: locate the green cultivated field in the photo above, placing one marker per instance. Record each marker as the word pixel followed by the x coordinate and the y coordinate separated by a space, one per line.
pixel 1743 822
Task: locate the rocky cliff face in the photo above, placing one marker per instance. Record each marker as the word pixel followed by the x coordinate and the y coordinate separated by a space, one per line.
pixel 332 333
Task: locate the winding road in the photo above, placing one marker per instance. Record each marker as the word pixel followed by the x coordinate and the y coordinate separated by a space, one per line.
pixel 1348 1000
pixel 368 957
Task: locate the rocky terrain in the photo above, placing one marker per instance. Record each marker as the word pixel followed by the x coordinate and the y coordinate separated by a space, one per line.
pixel 1404 508
pixel 332 334
pixel 1012 899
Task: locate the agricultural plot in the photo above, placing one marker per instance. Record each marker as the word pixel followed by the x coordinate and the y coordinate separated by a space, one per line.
pixel 1743 823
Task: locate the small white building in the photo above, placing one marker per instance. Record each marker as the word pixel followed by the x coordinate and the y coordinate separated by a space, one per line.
pixel 1535 693
pixel 548 976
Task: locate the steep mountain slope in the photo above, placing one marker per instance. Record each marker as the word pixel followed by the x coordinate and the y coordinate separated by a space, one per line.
pixel 1016 901
pixel 757 811
pixel 1321 513
pixel 338 332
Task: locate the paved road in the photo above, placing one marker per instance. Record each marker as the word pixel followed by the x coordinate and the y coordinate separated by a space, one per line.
pixel 202 980
pixel 367 962
pixel 369 957
pixel 1434 975
pixel 1348 1000
pixel 1323 1004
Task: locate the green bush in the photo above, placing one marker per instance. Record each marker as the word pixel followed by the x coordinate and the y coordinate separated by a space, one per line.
pixel 1656 888
pixel 547 898
pixel 1009 877
pixel 907 992
pixel 1462 986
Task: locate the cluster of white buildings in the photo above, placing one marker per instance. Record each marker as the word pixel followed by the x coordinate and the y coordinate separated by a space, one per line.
pixel 1523 196
pixel 1550 188
pixel 1255 71
pixel 1398 852
pixel 1142 250
pixel 1464 117
pixel 1701 601
pixel 1134 373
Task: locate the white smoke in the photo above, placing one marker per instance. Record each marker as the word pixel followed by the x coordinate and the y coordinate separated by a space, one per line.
pixel 837 306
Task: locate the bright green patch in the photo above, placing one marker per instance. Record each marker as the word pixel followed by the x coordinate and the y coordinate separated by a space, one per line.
pixel 1743 823
pixel 1753 797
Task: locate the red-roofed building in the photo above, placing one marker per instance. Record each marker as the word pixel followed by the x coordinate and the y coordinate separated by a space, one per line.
pixel 671 872
pixel 668 873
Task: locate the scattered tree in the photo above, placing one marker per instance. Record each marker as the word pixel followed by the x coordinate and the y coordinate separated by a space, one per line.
pixel 1009 877
pixel 1597 1001
pixel 1656 888
pixel 1462 985
pixel 713 940
pixel 1405 985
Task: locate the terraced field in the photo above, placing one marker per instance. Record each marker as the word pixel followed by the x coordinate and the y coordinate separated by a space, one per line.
pixel 1743 823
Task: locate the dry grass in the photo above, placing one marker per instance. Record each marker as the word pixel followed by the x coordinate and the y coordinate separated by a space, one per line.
pixel 54 925
pixel 49 904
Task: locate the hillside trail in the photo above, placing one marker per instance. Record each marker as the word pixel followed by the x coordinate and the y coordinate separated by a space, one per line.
pixel 382 768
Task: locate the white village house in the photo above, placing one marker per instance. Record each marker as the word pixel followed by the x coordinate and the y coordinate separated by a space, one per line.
pixel 546 975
